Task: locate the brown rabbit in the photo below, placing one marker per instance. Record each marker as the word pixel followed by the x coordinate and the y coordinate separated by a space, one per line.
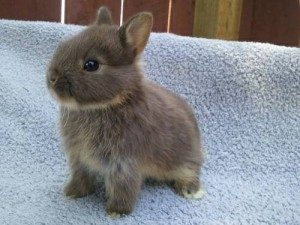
pixel 116 123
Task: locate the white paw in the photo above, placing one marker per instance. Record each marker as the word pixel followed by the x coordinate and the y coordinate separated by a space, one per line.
pixel 114 215
pixel 197 195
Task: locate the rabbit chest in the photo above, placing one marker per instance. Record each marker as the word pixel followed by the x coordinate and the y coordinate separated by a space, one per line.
pixel 90 138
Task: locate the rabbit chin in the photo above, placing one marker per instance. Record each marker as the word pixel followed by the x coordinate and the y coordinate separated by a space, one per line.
pixel 71 103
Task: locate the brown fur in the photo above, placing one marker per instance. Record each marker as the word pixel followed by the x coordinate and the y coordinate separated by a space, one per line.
pixel 115 122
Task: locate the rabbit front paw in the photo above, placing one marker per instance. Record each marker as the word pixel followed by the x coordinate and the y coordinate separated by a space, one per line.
pixel 74 190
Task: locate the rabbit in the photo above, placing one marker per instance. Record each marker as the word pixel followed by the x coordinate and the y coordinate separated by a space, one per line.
pixel 117 124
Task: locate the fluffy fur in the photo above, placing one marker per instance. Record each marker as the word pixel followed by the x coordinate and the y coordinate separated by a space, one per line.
pixel 116 123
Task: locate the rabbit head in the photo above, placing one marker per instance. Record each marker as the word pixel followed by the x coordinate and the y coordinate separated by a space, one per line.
pixel 99 66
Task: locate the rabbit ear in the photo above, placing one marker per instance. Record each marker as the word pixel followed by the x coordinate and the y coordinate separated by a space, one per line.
pixel 104 16
pixel 136 31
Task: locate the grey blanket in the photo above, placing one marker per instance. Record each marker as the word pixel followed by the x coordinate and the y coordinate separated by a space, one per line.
pixel 247 100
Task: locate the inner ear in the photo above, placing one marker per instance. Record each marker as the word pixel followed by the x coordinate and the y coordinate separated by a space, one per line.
pixel 136 31
pixel 104 16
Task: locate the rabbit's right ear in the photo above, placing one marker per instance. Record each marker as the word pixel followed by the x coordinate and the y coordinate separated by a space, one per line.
pixel 136 31
pixel 104 16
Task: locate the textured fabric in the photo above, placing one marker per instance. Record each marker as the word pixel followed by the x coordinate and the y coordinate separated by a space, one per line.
pixel 247 99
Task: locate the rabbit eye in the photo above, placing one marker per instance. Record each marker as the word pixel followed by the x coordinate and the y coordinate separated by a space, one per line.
pixel 91 65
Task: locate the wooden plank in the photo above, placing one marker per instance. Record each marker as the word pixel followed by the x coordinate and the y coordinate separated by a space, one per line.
pixel 229 16
pixel 206 18
pixel 218 19
pixel 182 17
pixel 246 19
pixel 84 12
pixel 273 21
pixel 159 8
pixel 30 10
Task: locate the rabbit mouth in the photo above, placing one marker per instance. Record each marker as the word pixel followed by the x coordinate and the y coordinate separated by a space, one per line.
pixel 61 87
pixel 62 92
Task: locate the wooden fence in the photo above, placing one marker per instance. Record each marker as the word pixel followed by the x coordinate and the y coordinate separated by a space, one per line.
pixel 274 21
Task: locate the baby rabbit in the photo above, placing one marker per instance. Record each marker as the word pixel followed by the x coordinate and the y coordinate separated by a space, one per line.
pixel 117 124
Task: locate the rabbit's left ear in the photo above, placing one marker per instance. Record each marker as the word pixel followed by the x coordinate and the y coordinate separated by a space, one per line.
pixel 104 16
